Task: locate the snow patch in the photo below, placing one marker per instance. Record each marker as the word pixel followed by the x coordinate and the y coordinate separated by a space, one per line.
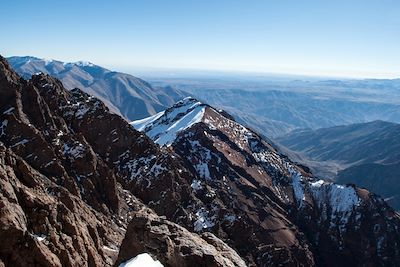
pixel 39 238
pixel 167 135
pixel 297 184
pixel 196 185
pixel 81 112
pixel 78 63
pixel 3 127
pixel 113 248
pixel 231 218
pixel 84 64
pixel 200 157
pixel 141 260
pixel 22 142
pixel 137 167
pixel 48 61
pixel 140 125
pixel 157 169
pixel 341 198
pixel 75 151
pixel 203 220
pixel 8 111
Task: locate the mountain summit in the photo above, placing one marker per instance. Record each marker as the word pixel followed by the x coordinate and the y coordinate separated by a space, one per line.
pixel 164 126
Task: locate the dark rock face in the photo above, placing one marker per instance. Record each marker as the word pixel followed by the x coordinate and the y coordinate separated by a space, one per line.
pixel 43 224
pixel 68 168
pixel 253 193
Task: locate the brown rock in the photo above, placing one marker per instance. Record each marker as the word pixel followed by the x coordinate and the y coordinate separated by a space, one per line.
pixel 173 245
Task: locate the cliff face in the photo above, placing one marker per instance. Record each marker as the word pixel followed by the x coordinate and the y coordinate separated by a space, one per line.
pixel 43 224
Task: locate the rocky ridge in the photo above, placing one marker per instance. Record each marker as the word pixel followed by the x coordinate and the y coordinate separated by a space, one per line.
pixel 250 186
pixel 73 175
pixel 92 191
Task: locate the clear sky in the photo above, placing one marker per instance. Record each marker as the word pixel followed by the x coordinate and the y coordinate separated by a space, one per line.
pixel 359 38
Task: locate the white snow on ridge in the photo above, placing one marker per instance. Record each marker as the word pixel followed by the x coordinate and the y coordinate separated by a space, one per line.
pixel 48 61
pixel 341 198
pixel 8 111
pixel 296 183
pixel 163 127
pixel 84 63
pixel 167 135
pixel 141 260
pixel 140 125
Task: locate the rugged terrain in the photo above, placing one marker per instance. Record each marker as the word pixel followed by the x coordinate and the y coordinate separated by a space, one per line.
pixel 70 171
pixel 124 94
pixel 270 197
pixel 81 187
pixel 366 154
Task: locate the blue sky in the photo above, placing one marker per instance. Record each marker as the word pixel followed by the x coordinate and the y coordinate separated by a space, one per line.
pixel 355 38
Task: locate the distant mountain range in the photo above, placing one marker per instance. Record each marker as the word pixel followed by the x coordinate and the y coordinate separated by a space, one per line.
pixel 276 107
pixel 124 94
pixel 367 154
pixel 272 107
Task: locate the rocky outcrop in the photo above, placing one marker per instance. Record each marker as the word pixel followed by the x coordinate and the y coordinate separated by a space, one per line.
pixel 173 245
pixel 43 224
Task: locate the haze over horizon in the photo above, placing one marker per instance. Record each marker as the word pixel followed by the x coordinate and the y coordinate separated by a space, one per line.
pixel 315 38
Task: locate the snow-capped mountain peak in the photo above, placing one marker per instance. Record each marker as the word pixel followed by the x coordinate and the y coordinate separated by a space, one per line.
pixel 163 127
pixel 84 63
pixel 232 160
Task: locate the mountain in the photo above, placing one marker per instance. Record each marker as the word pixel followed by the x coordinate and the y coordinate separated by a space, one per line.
pixel 124 94
pixel 79 186
pixel 256 194
pixel 367 154
pixel 277 107
pixel 75 179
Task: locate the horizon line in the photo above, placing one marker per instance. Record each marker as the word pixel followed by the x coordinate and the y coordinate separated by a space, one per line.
pixel 152 70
